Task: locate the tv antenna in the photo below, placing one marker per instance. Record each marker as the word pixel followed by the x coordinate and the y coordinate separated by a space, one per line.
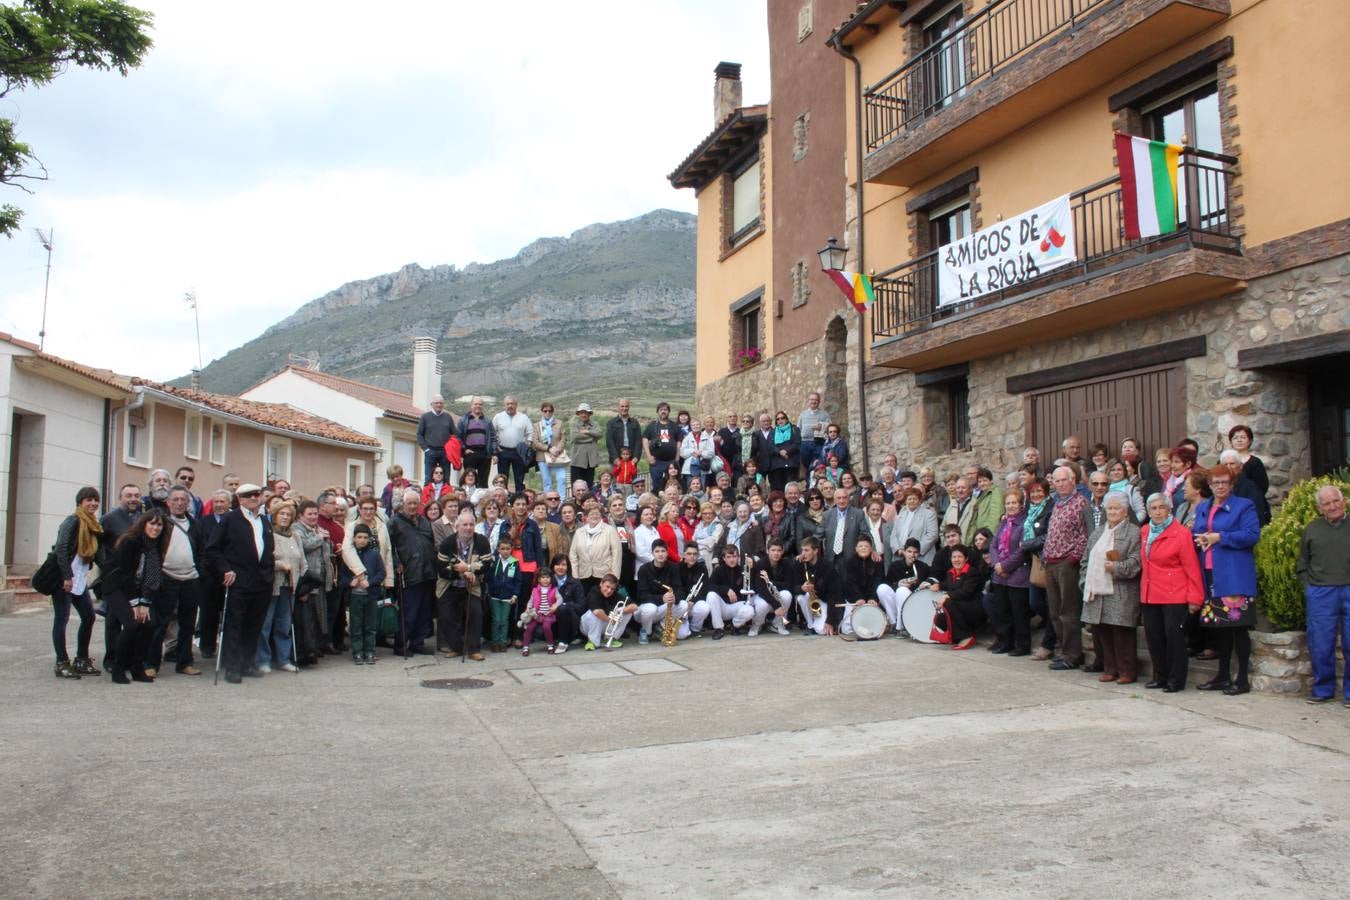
pixel 46 241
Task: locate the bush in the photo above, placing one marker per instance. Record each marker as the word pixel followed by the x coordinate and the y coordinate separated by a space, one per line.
pixel 1281 593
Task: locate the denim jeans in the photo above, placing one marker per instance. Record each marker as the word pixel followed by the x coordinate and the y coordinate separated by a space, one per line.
pixel 276 631
pixel 559 476
pixel 61 604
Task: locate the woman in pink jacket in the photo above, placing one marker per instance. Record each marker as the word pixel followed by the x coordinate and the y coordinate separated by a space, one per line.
pixel 1170 587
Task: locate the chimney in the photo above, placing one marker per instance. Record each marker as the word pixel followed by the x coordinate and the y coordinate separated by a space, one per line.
pixel 196 379
pixel 426 372
pixel 726 90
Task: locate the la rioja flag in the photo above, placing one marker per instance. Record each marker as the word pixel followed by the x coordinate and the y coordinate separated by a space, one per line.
pixel 1149 174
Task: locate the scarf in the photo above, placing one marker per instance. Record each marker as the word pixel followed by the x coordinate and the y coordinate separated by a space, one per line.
pixel 1099 582
pixel 1155 529
pixel 747 435
pixel 546 431
pixel 1005 537
pixel 957 573
pixel 1123 486
pixel 86 541
pixel 782 433
pixel 1034 511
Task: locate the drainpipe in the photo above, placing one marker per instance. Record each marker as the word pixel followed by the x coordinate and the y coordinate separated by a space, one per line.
pixel 107 451
pixel 843 51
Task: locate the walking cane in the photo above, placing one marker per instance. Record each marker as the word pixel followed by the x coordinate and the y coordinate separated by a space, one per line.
pixel 220 636
pixel 402 625
pixel 295 653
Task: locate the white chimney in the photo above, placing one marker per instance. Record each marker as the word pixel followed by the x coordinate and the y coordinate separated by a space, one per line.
pixel 426 373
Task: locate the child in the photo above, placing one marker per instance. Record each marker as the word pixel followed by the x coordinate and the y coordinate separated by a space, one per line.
pixel 505 582
pixel 365 591
pixel 544 604
pixel 625 470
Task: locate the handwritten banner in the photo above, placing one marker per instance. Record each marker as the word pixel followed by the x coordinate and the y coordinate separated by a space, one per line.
pixel 1008 253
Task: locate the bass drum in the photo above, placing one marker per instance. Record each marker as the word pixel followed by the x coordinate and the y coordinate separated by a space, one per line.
pixel 869 622
pixel 917 615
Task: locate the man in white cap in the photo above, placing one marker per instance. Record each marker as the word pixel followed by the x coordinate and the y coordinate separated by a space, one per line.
pixel 240 549
pixel 585 445
pixel 513 445
pixel 433 430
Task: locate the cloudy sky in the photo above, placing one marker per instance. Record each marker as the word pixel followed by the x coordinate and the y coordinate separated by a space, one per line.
pixel 267 152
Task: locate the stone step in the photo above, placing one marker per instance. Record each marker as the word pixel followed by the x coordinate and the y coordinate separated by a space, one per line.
pixel 17 582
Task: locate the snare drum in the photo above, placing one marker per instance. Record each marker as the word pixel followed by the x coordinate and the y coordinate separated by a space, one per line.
pixel 869 622
pixel 917 615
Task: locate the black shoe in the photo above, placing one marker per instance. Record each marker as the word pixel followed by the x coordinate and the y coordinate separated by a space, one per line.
pixel 1154 685
pixel 1319 700
pixel 138 674
pixel 1062 665
pixel 1238 687
pixel 1019 652
pixel 1096 668
pixel 422 650
pixel 85 666
pixel 718 634
pixel 208 652
pixel 233 677
pixel 358 659
pixel 65 670
pixel 119 676
pixel 998 650
pixel 1174 688
pixel 1214 685
pixel 252 672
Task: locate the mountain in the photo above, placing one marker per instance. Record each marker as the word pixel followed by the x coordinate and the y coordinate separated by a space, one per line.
pixel 603 313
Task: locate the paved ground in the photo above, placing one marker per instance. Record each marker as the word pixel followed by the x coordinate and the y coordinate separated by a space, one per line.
pixel 772 767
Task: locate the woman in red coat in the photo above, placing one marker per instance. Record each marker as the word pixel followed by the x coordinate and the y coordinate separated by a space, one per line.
pixel 1170 586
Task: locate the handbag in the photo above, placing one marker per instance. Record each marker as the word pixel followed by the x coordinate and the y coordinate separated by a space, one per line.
pixel 47 579
pixel 1037 571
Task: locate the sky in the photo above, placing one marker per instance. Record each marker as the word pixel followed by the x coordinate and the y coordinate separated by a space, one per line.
pixel 268 152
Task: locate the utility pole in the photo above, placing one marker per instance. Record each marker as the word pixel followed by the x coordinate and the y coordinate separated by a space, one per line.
pixel 46 241
pixel 191 299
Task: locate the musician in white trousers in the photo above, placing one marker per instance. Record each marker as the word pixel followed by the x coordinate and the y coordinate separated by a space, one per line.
pixel 818 577
pixel 657 583
pixel 891 599
pixel 726 601
pixel 603 599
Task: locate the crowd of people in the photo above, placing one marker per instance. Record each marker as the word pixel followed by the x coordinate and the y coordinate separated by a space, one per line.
pixel 691 530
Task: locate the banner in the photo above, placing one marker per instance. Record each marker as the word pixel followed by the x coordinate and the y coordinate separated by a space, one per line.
pixel 1008 253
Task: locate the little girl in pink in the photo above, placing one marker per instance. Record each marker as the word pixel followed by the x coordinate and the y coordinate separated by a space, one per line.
pixel 544 605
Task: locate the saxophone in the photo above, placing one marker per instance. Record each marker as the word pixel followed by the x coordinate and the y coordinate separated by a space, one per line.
pixel 812 598
pixel 670 629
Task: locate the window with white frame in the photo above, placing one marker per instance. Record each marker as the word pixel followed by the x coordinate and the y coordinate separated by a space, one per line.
pixel 745 203
pixel 137 436
pixel 218 443
pixel 276 458
pixel 192 436
pixel 356 475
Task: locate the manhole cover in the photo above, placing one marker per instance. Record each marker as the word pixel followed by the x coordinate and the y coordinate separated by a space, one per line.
pixel 456 684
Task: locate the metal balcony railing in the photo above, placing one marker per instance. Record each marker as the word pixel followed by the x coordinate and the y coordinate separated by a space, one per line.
pixel 907 294
pixel 943 72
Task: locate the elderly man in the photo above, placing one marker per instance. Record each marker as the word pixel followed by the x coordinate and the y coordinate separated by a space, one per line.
pixel 479 440
pixel 961 510
pixel 842 527
pixel 623 431
pixel 1072 449
pixel 157 490
pixel 241 551
pixel 1324 568
pixel 1244 486
pixel 433 429
pixel 460 562
pixel 1032 457
pixel 180 587
pixel 212 594
pixel 812 424
pixel 414 553
pixel 1065 545
pixel 513 430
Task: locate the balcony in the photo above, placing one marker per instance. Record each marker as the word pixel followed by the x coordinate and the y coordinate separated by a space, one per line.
pixel 1112 279
pixel 1006 66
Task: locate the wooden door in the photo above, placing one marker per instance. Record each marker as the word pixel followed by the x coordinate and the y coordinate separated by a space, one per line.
pixel 1148 404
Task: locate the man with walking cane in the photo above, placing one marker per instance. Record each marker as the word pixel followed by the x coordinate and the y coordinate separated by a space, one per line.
pixel 414 551
pixel 241 550
pixel 459 561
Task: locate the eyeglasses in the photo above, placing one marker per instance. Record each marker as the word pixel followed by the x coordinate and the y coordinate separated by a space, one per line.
pixel 186 479
pixel 1099 483
pixel 553 499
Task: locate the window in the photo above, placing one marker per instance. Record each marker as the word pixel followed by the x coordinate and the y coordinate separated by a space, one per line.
pixel 750 327
pixel 949 222
pixel 1190 116
pixel 137 439
pixel 745 201
pixel 192 436
pixel 408 456
pixel 356 475
pixel 747 329
pixel 958 413
pixel 943 70
pixel 277 458
pixel 218 443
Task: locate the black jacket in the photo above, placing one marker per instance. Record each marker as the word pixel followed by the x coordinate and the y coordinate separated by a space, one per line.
pixel 614 437
pixel 122 578
pixel 861 577
pixel 826 581
pixel 652 583
pixel 786 576
pixel 572 596
pixel 414 548
pixel 231 549
pixel 903 571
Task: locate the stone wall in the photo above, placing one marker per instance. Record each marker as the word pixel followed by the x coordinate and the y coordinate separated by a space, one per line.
pixel 1302 302
pixel 1280 662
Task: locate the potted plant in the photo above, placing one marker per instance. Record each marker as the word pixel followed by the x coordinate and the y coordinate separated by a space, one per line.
pixel 748 357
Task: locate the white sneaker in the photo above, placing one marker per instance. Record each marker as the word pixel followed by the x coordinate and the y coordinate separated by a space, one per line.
pixel 754 630
pixel 265 668
pixel 289 667
pixel 780 627
pixel 560 647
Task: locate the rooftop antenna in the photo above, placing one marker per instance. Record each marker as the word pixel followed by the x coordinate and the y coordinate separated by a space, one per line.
pixel 190 298
pixel 46 241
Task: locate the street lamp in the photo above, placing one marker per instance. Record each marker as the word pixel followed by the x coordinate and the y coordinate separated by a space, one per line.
pixel 832 256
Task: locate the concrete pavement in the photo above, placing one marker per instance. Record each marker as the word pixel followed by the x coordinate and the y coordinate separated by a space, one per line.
pixel 765 767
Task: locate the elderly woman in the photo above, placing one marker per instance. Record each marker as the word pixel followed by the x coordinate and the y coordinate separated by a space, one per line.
pixel 1182 462
pixel 834 446
pixel 310 610
pixel 1169 586
pixel 784 454
pixel 915 520
pixel 1010 567
pixel 491 525
pixel 549 442
pixel 585 445
pixel 1120 481
pixel 743 533
pixel 1193 490
pixel 1226 531
pixel 274 643
pixel 875 526
pixel 1109 580
pixel 78 540
pixel 960 587
pixel 708 533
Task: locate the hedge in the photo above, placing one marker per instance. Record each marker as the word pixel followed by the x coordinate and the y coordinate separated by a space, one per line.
pixel 1281 593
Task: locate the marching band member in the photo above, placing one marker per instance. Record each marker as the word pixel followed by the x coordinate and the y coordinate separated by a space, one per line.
pixel 602 600
pixel 658 585
pixel 693 573
pixel 860 577
pixel 777 570
pixel 902 578
pixel 819 578
pixel 724 598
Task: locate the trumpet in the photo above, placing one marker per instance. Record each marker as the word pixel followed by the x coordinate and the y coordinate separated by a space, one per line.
pixel 746 588
pixel 615 617
pixel 689 602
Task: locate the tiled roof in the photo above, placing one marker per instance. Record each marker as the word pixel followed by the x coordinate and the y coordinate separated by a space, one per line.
pixel 392 402
pixel 861 13
pixel 731 134
pixel 272 415
pixel 103 376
